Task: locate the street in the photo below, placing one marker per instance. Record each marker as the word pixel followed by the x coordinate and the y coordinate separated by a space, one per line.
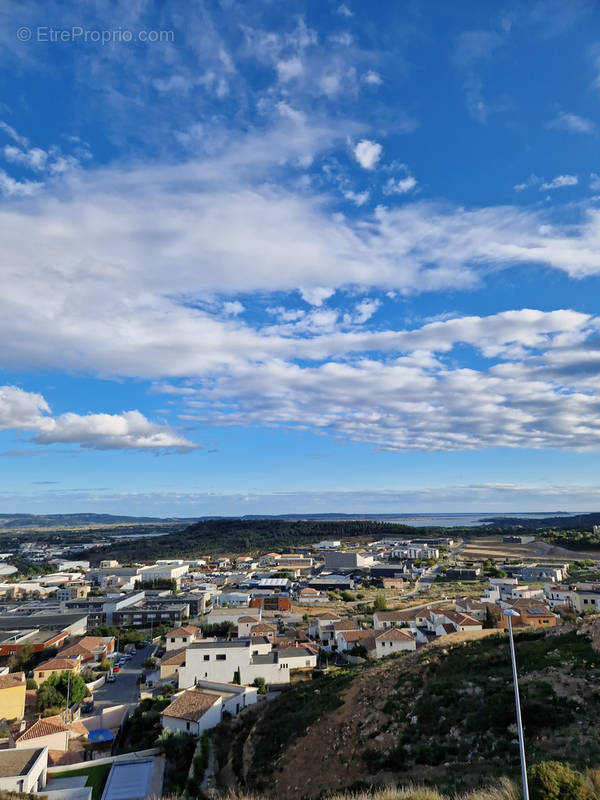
pixel 125 689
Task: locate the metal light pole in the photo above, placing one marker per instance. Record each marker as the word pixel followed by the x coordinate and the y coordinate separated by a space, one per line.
pixel 509 613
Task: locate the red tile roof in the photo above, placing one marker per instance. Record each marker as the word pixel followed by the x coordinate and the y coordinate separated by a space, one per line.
pixel 43 727
pixel 57 664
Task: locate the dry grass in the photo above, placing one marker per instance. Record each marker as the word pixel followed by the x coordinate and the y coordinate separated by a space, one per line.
pixel 501 790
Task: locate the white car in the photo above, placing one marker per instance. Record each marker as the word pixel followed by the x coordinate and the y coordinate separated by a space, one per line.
pixel 111 678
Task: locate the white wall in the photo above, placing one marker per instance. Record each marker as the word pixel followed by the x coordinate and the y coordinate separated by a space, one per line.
pixel 35 778
pixel 392 646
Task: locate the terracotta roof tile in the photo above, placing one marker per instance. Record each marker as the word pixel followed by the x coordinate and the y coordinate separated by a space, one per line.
pixel 174 657
pixel 43 727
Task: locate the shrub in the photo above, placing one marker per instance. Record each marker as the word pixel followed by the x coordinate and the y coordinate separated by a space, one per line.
pixel 32 683
pixel 554 780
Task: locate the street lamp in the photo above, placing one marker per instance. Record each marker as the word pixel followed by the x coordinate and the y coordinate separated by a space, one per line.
pixel 509 613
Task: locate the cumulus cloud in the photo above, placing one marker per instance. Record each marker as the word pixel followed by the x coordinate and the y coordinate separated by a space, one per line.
pixel 21 410
pixel 367 153
pixel 233 307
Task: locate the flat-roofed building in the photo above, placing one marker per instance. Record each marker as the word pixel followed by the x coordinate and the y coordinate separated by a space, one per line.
pixel 23 770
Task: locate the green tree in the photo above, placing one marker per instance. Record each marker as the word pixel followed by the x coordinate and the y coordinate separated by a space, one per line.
pixel 53 692
pixel 380 603
pixel 261 685
pixel 554 780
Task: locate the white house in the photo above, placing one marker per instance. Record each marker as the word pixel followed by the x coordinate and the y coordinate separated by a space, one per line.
pixel 23 770
pixel 226 661
pixel 182 637
pixel 393 640
pixel 201 708
pixel 321 627
pixel 246 623
pixel 557 595
pixel 391 619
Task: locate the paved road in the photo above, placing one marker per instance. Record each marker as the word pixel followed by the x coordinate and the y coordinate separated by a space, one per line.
pixel 125 689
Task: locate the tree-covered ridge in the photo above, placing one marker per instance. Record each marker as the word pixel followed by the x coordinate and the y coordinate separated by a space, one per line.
pixel 246 535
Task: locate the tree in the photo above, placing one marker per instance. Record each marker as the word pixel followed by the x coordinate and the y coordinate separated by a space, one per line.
pixel 380 603
pixel 261 685
pixel 554 780
pixel 53 692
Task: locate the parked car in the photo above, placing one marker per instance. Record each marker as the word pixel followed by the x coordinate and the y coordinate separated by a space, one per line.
pixel 115 669
pixel 111 678
pixel 87 707
pixel 133 652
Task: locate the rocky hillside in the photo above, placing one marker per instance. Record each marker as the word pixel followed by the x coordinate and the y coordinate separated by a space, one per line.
pixel 443 716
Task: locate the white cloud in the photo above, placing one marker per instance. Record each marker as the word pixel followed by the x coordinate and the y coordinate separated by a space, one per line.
pixel 365 310
pixel 560 182
pixel 532 180
pixel 21 410
pixel 13 134
pixel 316 295
pixel 35 158
pixel 372 78
pixel 344 38
pixel 292 68
pixel 233 307
pixel 10 187
pixel 358 198
pixel 400 185
pixel 572 123
pixel 367 153
pixel 345 11
pixel 594 182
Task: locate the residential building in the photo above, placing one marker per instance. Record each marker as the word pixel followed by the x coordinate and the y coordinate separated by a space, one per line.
pixel 346 640
pixel 12 695
pixel 182 637
pixel 226 661
pixel 321 627
pixel 246 623
pixel 308 595
pixel 90 648
pixel 264 630
pixel 529 616
pixel 201 708
pixel 274 602
pixel 23 770
pixel 50 732
pixel 388 619
pixel 393 640
pixel 56 665
pixel 585 597
pixel 171 663
pixel 557 595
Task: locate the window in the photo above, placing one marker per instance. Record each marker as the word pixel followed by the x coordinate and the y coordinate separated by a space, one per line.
pixel 187 726
pixel 221 656
pixel 207 658
pixel 173 639
pixel 184 639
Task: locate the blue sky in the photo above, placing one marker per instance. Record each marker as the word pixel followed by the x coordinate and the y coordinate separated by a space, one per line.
pixel 265 257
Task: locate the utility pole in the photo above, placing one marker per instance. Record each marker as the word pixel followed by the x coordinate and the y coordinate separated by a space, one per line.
pixel 509 613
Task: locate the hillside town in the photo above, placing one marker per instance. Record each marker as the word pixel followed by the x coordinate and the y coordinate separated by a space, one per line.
pixel 87 649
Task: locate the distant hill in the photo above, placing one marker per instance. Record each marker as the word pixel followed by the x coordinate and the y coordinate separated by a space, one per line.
pixel 213 536
pixel 79 520
pixel 572 522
